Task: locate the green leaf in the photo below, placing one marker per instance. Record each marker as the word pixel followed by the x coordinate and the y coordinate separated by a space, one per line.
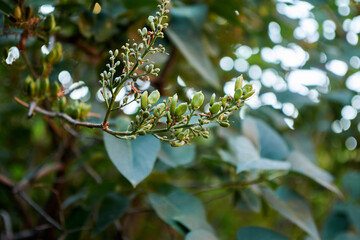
pixel 200 234
pixel 342 96
pixel 270 143
pixel 293 207
pixel 246 157
pixel 5 8
pixel 302 165
pixel 347 236
pixel 134 159
pixel 185 32
pixel 337 223
pixel 183 211
pixel 175 157
pixel 350 182
pixel 112 207
pixel 258 233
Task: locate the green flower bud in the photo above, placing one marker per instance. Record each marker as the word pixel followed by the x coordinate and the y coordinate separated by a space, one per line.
pixel 173 104
pixel 225 124
pixel 212 100
pixel 215 108
pixel 181 109
pixel 28 12
pixel 159 109
pixel 238 82
pixel 54 89
pixel 141 132
pixel 32 89
pixel 197 100
pixel 17 12
pixel 27 85
pixel 168 117
pixel 84 110
pixel 247 88
pixel 153 97
pixel 224 100
pixel 177 143
pixel 62 104
pixel 249 94
pixel 49 22
pixel 44 85
pixel 37 86
pixel 58 52
pixel 146 114
pixel 180 136
pixel 144 100
pixel 238 94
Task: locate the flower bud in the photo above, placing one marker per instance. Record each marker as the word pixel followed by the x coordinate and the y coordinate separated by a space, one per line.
pixel 173 104
pixel 224 124
pixel 238 82
pixel 177 143
pixel 44 85
pixel 181 109
pixel 197 100
pixel 141 132
pixel 58 52
pixel 153 97
pixel 146 114
pixel 49 22
pixel 215 108
pixel 17 12
pixel 144 100
pixel 84 110
pixel 224 100
pixel 54 89
pixel 212 100
pixel 62 104
pixel 238 94
pixel 249 94
pixel 27 85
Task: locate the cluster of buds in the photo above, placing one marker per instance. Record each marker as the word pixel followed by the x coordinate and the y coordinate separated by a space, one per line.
pixel 77 110
pixel 40 88
pixel 177 116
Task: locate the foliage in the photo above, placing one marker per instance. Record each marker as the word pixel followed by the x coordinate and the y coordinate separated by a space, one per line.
pixel 184 163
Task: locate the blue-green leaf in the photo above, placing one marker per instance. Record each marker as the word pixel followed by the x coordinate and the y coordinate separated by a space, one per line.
pixel 293 207
pixel 270 143
pixel 112 207
pixel 300 164
pixel 185 32
pixel 258 233
pixel 350 182
pixel 134 159
pixel 175 157
pixel 246 157
pixel 183 211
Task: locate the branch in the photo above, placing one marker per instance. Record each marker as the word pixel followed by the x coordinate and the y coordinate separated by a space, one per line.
pixel 39 210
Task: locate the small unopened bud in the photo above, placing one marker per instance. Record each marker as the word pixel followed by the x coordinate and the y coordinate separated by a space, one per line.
pixel 238 82
pixel 215 108
pixel 197 100
pixel 153 97
pixel 181 109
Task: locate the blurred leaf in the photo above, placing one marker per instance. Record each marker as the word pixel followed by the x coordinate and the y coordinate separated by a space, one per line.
pixel 200 234
pixel 335 224
pixel 73 199
pixel 185 32
pixel 99 25
pixel 175 157
pixel 270 143
pixel 293 207
pixel 295 98
pixel 5 8
pixel 75 220
pixel 347 236
pixel 342 96
pixel 112 207
pixel 302 165
pixel 180 209
pixel 350 182
pixel 251 199
pixel 258 233
pixel 246 157
pixel 134 159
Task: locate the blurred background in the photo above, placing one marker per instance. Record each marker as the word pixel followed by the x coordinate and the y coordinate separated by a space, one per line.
pixel 303 59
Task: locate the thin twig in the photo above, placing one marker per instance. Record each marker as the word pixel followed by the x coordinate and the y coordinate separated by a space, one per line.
pixel 28 63
pixel 7 224
pixel 40 211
